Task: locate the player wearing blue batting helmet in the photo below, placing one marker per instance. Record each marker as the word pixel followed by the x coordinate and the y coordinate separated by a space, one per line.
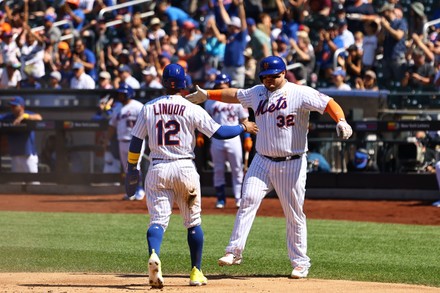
pixel 125 92
pixel 271 65
pixel 222 79
pixel 174 77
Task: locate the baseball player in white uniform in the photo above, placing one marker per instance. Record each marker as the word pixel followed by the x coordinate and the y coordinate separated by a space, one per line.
pixel 122 122
pixel 229 150
pixel 170 122
pixel 282 114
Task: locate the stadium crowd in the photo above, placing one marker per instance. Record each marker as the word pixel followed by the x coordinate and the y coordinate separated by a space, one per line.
pixel 353 44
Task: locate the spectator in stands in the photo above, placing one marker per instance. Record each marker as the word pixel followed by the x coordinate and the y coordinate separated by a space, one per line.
pixel 362 161
pixel 126 77
pixel 259 42
pixel 55 80
pixel 190 49
pixel 63 64
pixel 327 45
pixel 31 82
pixel 368 82
pixel 303 53
pixel 250 66
pixel 75 15
pixel 345 35
pixel 176 16
pixel 155 33
pixel 9 49
pixel 83 55
pixel 80 79
pixel 417 19
pixel 369 44
pixel 32 53
pixel 235 45
pixel 210 76
pixel 104 81
pixel 86 6
pixel 52 34
pixel 392 36
pixel 339 75
pixel 353 64
pixel 282 48
pixel 437 77
pixel 358 13
pixel 150 79
pixel 10 77
pixel 214 44
pixel 22 147
pixel 420 75
pixel 35 10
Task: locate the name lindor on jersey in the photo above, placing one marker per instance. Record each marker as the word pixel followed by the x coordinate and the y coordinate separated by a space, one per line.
pixel 169 109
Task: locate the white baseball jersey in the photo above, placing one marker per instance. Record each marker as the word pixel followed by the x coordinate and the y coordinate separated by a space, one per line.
pixel 170 123
pixel 229 149
pixel 282 117
pixel 125 119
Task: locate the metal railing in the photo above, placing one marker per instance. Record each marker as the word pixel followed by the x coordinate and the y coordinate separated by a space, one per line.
pixel 336 55
pixel 56 24
pixel 426 27
pixel 119 21
pixel 118 6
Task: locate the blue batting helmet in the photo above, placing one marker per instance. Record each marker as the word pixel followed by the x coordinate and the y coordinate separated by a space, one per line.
pixel 271 65
pixel 174 77
pixel 222 78
pixel 127 90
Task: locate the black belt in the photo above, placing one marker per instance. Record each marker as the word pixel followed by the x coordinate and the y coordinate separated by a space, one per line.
pixel 282 159
pixel 159 159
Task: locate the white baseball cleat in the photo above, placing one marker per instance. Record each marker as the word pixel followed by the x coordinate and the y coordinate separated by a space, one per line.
pixel 140 194
pixel 299 272
pixel 436 204
pixel 155 271
pixel 237 202
pixel 126 197
pixel 229 259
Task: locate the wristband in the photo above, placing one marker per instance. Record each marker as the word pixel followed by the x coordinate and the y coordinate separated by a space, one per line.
pixel 25 116
pixel 215 95
pixel 133 158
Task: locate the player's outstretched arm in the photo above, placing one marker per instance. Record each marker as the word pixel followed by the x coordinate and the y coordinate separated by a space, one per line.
pixel 228 95
pixel 226 132
pixel 343 129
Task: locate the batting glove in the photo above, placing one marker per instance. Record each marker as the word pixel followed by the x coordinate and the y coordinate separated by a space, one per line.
pixel 198 96
pixel 200 140
pixel 131 179
pixel 247 144
pixel 343 129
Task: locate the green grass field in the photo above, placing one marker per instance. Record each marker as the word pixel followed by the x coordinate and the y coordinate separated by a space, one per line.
pixel 115 243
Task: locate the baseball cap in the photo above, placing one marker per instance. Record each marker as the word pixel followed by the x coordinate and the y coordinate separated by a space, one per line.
pixel 77 65
pixel 339 71
pixel 154 21
pixel 56 75
pixel 211 71
pixel 124 68
pixel 188 25
pixel 183 63
pixel 49 17
pixel 125 52
pixel 283 39
pixel 370 73
pixel 250 21
pixel 386 6
pixel 235 21
pixel 105 75
pixel 165 55
pixel 63 45
pixel 151 70
pixel 16 101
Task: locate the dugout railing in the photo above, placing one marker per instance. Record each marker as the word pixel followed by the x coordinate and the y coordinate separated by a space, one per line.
pixel 67 116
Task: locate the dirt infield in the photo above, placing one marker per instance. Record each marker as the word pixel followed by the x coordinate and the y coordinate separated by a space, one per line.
pixel 404 212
